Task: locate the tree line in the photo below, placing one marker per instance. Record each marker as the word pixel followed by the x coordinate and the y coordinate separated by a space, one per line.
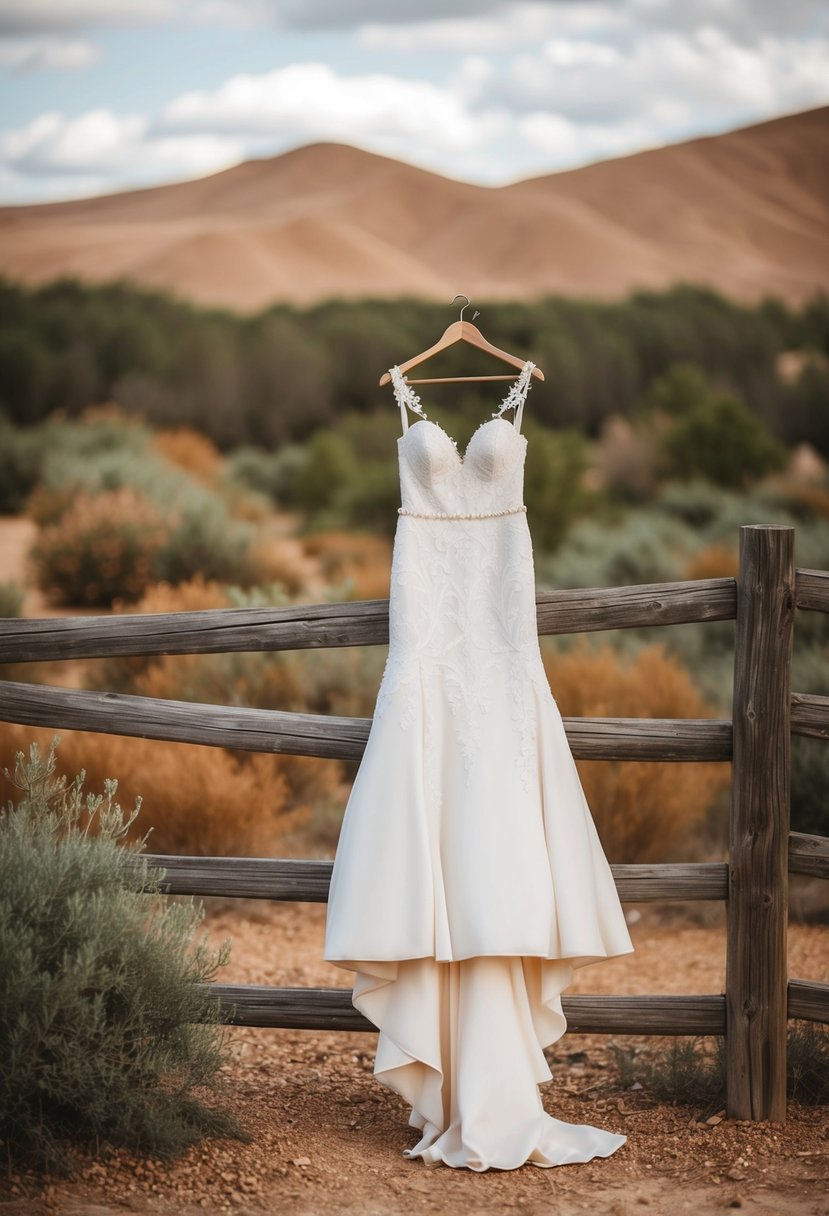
pixel 276 376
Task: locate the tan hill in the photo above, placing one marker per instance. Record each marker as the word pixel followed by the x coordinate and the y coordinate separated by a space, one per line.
pixel 746 213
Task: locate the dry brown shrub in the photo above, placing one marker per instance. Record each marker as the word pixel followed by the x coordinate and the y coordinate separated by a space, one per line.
pixel 714 561
pixel 816 498
pixel 118 672
pixel 188 450
pixel 200 801
pixel 46 506
pixel 282 559
pixel 645 811
pixel 360 556
pixel 627 458
pixel 193 595
pixel 102 547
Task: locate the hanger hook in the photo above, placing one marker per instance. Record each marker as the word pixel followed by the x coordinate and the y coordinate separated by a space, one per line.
pixel 461 296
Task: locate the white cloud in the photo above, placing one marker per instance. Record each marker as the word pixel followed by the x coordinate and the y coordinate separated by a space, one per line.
pixel 524 88
pixel 47 53
pixel 519 24
pixel 311 101
pixel 35 16
pixel 104 147
pixel 203 131
pixel 564 144
pixel 705 74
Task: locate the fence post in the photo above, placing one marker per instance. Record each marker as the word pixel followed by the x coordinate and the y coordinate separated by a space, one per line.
pixel 757 907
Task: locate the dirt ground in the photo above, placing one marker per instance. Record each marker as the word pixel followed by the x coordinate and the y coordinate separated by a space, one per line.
pixel 327 1137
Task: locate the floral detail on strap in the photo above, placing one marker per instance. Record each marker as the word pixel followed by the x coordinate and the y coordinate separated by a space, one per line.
pixel 518 391
pixel 404 392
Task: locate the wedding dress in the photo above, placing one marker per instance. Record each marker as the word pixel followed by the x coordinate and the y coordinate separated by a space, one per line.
pixel 469 879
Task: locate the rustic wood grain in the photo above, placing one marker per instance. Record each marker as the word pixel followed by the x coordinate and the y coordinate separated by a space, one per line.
pixel 808 999
pixel 811 589
pixel 295 879
pixel 326 735
pixel 352 623
pixel 809 855
pixel 810 715
pixel 756 970
pixel 331 1009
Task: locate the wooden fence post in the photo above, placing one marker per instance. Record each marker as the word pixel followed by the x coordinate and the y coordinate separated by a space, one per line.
pixel 757 907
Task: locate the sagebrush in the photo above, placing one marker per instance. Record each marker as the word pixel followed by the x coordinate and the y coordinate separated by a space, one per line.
pixel 108 1030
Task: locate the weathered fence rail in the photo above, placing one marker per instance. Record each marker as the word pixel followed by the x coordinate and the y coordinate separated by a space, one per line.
pixel 759 996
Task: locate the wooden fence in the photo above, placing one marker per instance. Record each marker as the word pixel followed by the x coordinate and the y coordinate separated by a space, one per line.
pixel 759 995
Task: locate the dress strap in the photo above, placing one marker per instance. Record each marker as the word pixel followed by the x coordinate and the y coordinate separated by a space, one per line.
pixel 517 394
pixel 405 395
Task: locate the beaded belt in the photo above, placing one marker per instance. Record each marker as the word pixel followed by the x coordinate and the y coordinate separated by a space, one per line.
pixel 474 515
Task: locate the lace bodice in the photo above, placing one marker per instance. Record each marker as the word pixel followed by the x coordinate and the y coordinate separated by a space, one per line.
pixel 462 596
pixel 436 479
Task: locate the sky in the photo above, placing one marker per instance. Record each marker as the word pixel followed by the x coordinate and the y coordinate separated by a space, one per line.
pixel 98 96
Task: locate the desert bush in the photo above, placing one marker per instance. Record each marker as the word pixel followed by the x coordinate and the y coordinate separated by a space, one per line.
pixel 628 457
pixel 281 561
pixel 20 460
pixel 103 546
pixel 329 465
pixel 371 498
pixel 554 470
pixel 232 803
pixel 722 440
pixel 145 472
pixel 644 810
pixel 677 392
pixel 695 501
pixel 645 546
pixel 203 539
pixel 270 473
pixel 116 523
pixel 107 1025
pixel 94 432
pixel 691 1070
pixel 358 561
pixel 12 596
pixel 187 449
pixel 714 561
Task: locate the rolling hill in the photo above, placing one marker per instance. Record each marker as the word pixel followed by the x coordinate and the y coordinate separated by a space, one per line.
pixel 745 212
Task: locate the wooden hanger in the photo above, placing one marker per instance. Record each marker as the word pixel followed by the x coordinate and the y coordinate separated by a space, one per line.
pixel 461 331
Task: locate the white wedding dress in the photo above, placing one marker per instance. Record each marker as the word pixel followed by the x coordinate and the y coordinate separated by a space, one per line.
pixel 469 879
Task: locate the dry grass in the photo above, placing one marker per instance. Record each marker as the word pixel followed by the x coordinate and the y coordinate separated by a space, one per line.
pixel 189 450
pixel 359 556
pixel 714 561
pixel 645 811
pixel 198 800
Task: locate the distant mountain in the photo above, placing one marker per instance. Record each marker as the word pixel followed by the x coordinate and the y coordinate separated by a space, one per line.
pixel 746 213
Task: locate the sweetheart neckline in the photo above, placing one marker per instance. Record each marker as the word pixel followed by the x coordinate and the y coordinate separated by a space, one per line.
pixel 454 442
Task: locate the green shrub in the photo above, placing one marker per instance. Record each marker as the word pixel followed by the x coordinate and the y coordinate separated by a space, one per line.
pixel 678 391
pixel 203 539
pixel 330 464
pixel 555 465
pixel 107 1023
pixel 683 1072
pixel 20 460
pixel 102 548
pixel 370 499
pixel 692 1069
pixel 722 440
pixel 644 547
pixel 12 596
pixel 98 431
pixel 271 473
